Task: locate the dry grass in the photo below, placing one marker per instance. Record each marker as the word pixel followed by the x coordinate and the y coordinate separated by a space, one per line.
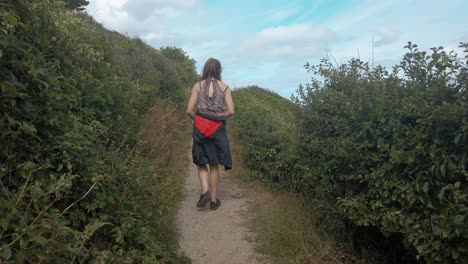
pixel 164 133
pixel 164 141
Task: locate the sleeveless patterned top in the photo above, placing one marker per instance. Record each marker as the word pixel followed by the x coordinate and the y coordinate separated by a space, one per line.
pixel 212 106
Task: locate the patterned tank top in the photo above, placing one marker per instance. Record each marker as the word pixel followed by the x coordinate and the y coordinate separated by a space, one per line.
pixel 212 106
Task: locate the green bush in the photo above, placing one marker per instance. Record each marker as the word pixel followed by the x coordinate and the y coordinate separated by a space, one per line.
pixel 391 148
pixel 74 181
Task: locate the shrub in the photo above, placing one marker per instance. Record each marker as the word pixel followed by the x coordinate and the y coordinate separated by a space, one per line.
pixel 391 148
pixel 75 182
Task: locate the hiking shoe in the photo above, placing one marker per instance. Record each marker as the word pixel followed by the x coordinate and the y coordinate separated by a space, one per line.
pixel 215 205
pixel 204 198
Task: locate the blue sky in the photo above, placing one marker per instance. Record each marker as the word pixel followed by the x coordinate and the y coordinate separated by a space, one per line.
pixel 266 43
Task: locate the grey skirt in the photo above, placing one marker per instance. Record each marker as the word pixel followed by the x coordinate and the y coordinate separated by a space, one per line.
pixel 212 150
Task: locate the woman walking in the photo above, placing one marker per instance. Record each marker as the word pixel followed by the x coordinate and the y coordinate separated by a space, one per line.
pixel 209 106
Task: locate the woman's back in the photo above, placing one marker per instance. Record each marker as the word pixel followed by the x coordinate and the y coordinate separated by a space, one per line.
pixel 211 97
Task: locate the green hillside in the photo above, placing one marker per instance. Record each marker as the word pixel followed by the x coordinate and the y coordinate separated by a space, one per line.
pixel 267 126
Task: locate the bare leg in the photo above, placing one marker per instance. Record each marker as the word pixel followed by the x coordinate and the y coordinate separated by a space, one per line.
pixel 214 181
pixel 204 177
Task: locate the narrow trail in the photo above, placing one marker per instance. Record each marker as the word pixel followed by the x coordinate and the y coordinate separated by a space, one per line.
pixel 218 236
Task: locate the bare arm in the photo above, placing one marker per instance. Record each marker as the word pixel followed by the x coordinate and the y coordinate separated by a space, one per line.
pixel 229 104
pixel 192 103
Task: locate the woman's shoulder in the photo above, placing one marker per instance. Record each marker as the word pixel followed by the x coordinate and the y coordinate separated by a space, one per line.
pixel 196 86
pixel 223 85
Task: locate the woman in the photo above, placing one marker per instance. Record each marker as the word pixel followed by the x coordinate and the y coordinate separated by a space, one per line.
pixel 209 106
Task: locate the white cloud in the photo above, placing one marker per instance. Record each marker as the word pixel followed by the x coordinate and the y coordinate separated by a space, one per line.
pixel 110 13
pixel 296 32
pixel 297 40
pixel 281 14
pixel 142 9
pixel 386 36
pixel 162 38
pixel 142 17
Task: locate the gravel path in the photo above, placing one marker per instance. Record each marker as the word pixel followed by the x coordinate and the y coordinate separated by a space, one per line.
pixel 218 236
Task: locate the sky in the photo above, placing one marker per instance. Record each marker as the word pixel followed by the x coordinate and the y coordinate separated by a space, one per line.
pixel 267 43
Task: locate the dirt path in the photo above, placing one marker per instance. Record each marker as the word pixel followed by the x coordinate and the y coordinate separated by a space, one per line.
pixel 219 236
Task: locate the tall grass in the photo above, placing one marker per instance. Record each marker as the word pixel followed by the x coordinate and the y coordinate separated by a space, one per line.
pixel 165 137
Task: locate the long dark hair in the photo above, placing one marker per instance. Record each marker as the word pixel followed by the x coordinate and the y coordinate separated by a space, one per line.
pixel 212 69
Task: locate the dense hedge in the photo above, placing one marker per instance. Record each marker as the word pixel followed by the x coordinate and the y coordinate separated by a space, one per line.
pixel 74 184
pixel 384 150
pixel 391 148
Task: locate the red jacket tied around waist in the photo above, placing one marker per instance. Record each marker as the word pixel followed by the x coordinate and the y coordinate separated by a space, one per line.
pixel 206 126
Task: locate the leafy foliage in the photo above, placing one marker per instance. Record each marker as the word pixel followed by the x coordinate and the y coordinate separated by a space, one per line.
pixel 386 151
pixel 76 182
pixel 391 148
